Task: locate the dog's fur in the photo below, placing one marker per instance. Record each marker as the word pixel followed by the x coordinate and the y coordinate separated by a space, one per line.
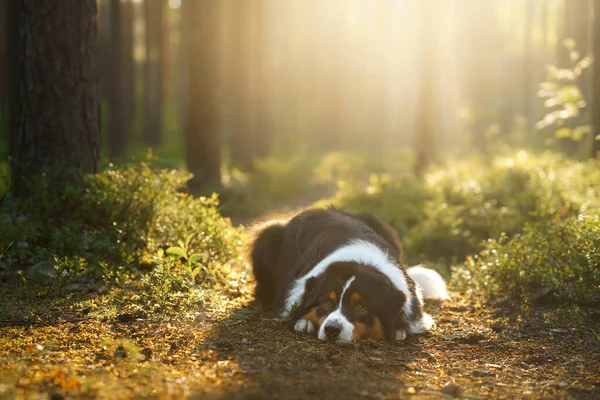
pixel 340 275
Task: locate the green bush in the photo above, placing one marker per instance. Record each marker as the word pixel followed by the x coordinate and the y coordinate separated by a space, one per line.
pixel 117 219
pixel 560 257
pixel 451 212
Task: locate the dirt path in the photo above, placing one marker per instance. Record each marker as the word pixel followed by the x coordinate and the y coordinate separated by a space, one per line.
pixel 228 349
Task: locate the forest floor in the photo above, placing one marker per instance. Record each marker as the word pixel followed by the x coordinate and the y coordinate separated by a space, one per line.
pixel 224 347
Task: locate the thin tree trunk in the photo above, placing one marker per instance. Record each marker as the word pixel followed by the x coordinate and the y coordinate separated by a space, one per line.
pixel 117 125
pixel 3 32
pixel 545 31
pixel 426 112
pixel 128 64
pixel 202 134
pixel 262 137
pixel 528 63
pixel 53 100
pixel 577 27
pixel 104 50
pixel 241 146
pixel 596 82
pixel 153 73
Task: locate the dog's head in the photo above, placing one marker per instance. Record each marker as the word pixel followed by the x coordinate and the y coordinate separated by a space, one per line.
pixel 350 301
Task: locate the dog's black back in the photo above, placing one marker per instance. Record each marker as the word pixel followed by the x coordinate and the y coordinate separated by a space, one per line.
pixel 282 252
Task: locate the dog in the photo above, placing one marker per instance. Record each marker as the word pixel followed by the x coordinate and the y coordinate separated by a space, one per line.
pixel 340 276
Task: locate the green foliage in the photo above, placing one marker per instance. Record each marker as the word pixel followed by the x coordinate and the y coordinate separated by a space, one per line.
pixel 451 212
pixel 561 256
pixel 277 180
pixel 400 201
pixel 113 222
pixel 563 97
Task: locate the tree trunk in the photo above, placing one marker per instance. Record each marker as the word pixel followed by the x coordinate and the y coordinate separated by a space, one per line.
pixel 117 125
pixel 128 64
pixel 153 74
pixel 3 32
pixel 427 108
pixel 53 100
pixel 262 134
pixel 241 146
pixel 596 82
pixel 577 24
pixel 528 64
pixel 104 50
pixel 202 133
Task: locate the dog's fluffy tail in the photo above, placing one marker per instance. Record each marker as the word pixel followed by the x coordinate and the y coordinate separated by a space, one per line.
pixel 432 284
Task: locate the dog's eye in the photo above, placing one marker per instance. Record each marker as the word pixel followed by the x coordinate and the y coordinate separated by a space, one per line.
pixel 359 308
pixel 329 303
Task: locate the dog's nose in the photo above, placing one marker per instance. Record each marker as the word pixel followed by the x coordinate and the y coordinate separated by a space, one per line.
pixel 332 330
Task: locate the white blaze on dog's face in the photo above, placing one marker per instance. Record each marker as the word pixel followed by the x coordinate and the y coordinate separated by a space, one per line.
pixel 348 303
pixel 336 326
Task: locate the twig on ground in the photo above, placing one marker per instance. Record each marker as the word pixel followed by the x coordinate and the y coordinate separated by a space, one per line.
pixel 291 345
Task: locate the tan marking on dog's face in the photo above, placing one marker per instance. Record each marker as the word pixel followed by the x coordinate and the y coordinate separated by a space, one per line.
pixel 314 318
pixel 363 331
pixel 355 299
pixel 333 297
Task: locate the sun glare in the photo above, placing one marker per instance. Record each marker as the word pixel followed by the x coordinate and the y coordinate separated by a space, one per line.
pixel 352 17
pixel 174 4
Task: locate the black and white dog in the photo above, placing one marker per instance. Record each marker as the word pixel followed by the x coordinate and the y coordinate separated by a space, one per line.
pixel 340 275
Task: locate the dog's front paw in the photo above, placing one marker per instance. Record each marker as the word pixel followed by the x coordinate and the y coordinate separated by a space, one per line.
pixel 400 334
pixel 304 325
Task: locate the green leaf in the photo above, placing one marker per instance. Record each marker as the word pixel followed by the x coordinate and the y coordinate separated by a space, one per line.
pixel 151 260
pixel 563 133
pixel 596 334
pixel 196 271
pixel 176 251
pixel 194 258
pixel 188 239
pixel 160 253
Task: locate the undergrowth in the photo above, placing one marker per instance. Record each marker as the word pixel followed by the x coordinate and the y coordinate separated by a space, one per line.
pixel 125 223
pixel 137 225
pixel 555 259
pixel 458 209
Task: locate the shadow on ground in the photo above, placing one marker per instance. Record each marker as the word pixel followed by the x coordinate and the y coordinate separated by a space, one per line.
pixel 476 351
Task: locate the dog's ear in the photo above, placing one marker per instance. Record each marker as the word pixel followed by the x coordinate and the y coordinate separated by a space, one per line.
pixel 391 310
pixel 310 298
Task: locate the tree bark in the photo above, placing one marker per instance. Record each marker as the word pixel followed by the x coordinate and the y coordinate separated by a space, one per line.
pixel 153 72
pixel 104 50
pixel 117 125
pixel 53 99
pixel 3 32
pixel 202 129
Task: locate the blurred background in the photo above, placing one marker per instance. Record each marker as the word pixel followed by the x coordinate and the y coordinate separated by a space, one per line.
pixel 438 78
pixel 471 126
